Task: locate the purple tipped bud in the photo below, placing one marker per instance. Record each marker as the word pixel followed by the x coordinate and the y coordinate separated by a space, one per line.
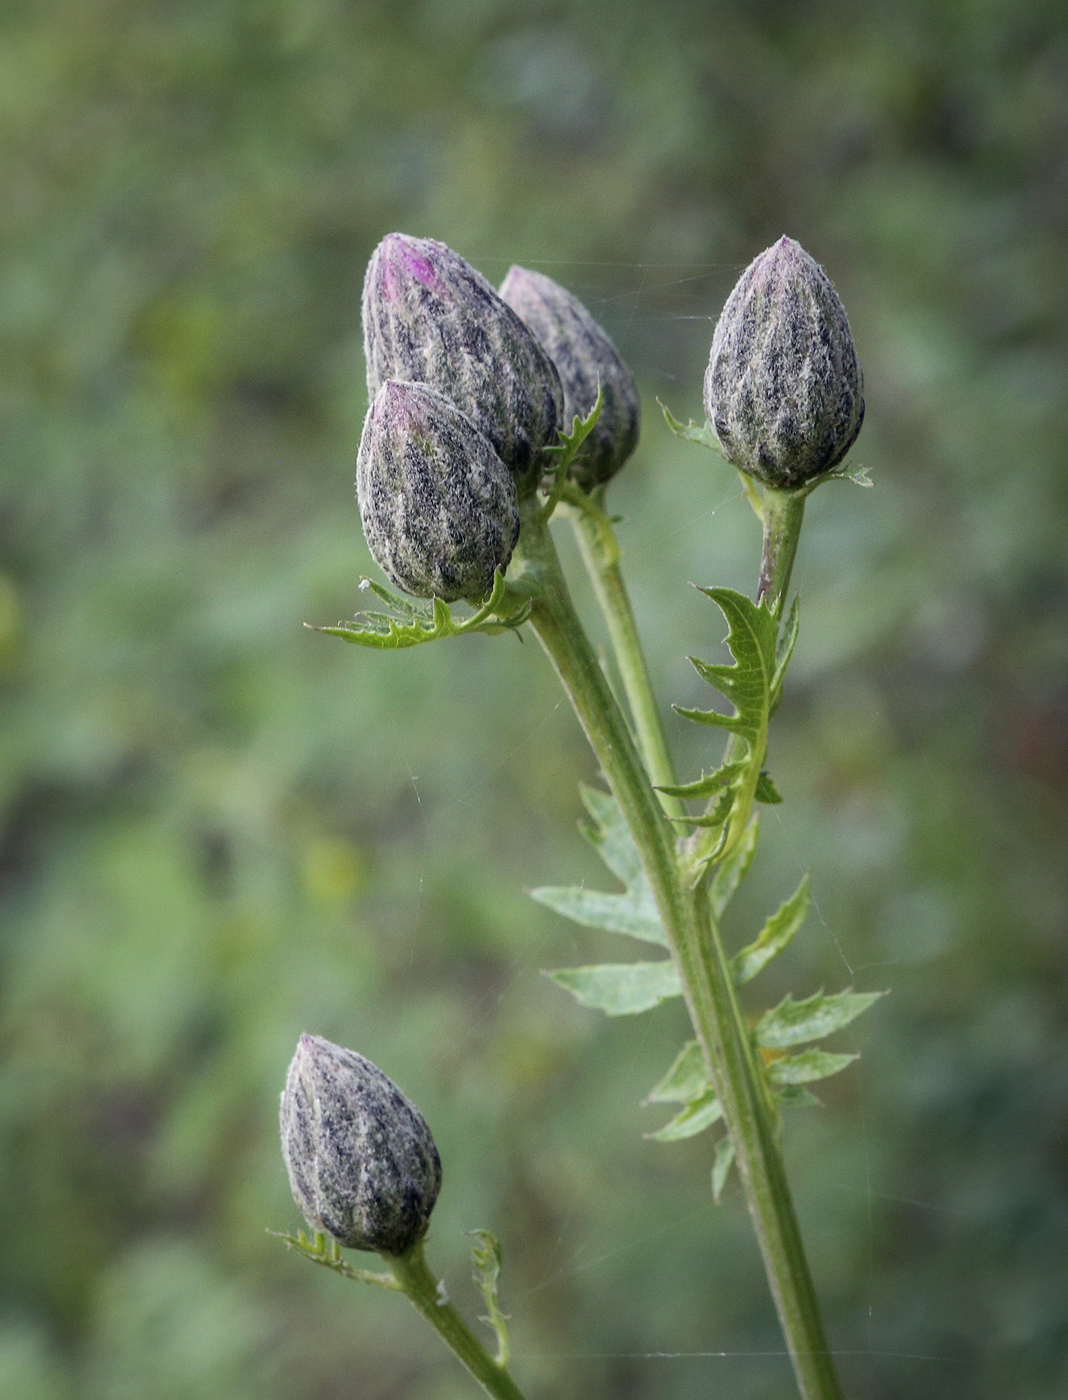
pixel 584 357
pixel 430 318
pixel 783 390
pixel 362 1163
pixel 438 505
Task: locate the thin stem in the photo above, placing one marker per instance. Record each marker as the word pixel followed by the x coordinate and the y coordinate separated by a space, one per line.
pixel 428 1297
pixel 600 554
pixel 698 954
pixel 783 512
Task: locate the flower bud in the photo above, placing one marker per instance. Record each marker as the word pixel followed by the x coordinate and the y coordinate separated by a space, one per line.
pixel 783 390
pixel 584 358
pixel 362 1164
pixel 430 318
pixel 438 505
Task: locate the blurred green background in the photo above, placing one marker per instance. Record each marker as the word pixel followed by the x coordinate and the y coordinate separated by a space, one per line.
pixel 219 829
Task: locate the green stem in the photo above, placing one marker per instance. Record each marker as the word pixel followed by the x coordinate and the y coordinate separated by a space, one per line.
pixel 783 512
pixel 600 554
pixel 698 954
pixel 427 1296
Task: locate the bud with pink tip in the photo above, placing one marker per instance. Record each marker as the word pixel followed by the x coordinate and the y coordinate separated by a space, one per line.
pixel 430 318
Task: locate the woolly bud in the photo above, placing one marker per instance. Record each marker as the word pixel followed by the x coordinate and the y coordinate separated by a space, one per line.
pixel 430 318
pixel 783 390
pixel 362 1164
pixel 584 358
pixel 438 505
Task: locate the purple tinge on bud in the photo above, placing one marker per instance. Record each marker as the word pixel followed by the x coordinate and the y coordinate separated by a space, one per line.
pixel 362 1163
pixel 430 318
pixel 438 505
pixel 584 358
pixel 783 390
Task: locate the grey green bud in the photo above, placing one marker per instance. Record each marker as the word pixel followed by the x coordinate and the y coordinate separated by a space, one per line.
pixel 430 318
pixel 584 357
pixel 439 507
pixel 783 391
pixel 362 1163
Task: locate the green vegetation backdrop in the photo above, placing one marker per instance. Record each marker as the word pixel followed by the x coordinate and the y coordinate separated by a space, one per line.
pixel 219 830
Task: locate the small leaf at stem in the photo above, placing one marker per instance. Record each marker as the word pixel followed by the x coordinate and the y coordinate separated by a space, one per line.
pixel 419 623
pixel 721 1166
pixel 686 1080
pixel 795 1022
pixel 774 936
pixel 794 1096
pixel 616 913
pixel 691 431
pixel 486 1257
pixel 633 913
pixel 766 791
pixel 730 874
pixel 807 1066
pixel 693 1119
pixel 621 989
pixel 320 1249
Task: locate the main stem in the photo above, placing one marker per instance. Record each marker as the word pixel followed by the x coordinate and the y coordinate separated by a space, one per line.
pixel 698 954
pixel 424 1292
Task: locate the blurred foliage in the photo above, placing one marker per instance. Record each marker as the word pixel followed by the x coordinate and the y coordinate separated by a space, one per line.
pixel 219 830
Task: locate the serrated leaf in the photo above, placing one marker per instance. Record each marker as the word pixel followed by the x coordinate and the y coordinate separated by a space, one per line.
pixel 776 935
pixel 417 623
pixel 620 989
pixel 693 1119
pixel 730 874
pixel 795 1022
pixel 784 651
pixel 686 1080
pixel 794 1096
pixel 766 791
pixel 633 913
pixel 610 835
pixel 746 683
pixel 486 1257
pixel 617 913
pixel 721 1166
pixel 807 1066
pixel 691 431
pixel 708 784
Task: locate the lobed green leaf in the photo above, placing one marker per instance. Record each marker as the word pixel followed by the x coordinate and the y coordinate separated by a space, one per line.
pixel 486 1257
pixel 807 1066
pixel 730 873
pixel 776 935
pixel 693 1119
pixel 795 1022
pixel 620 989
pixel 721 1166
pixel 686 1080
pixel 417 623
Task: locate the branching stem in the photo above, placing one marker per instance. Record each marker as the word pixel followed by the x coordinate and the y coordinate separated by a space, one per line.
pixel 718 1020
pixel 425 1294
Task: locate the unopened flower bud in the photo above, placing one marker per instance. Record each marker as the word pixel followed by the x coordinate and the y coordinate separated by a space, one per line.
pixel 438 505
pixel 584 357
pixel 783 390
pixel 362 1164
pixel 430 318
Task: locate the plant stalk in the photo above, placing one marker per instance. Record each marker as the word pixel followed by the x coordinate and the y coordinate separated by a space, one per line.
pixel 600 553
pixel 425 1294
pixel 709 991
pixel 783 513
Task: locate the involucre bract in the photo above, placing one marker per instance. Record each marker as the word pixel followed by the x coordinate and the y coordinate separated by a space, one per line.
pixel 362 1163
pixel 783 391
pixel 438 505
pixel 430 318
pixel 584 357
